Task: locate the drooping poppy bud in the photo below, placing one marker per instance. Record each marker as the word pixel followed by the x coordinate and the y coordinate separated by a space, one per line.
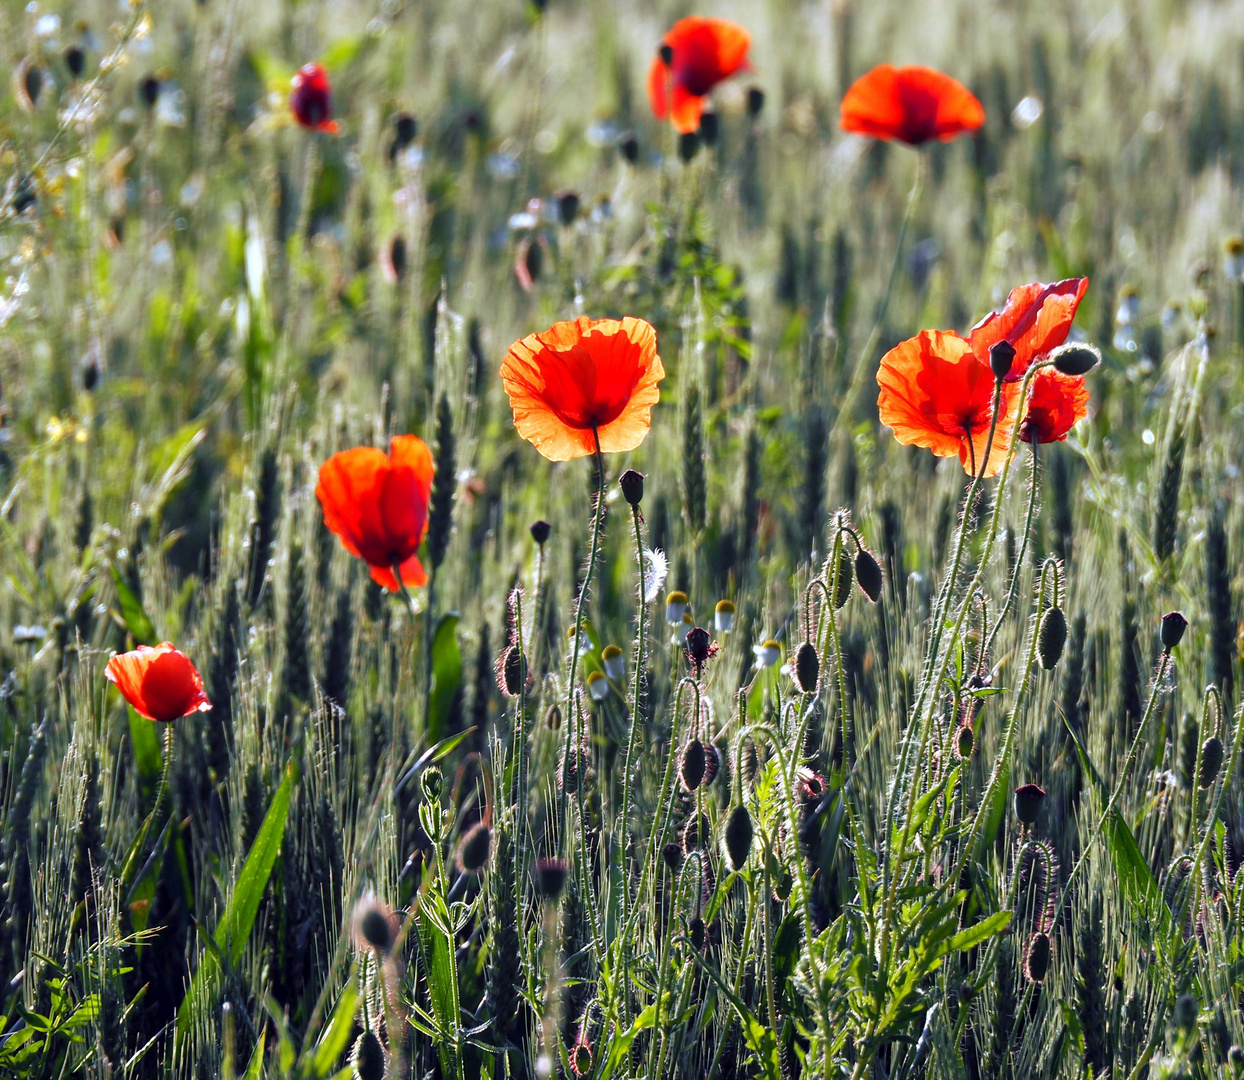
pixel 963 742
pixel 632 485
pixel 691 764
pixel 696 932
pixel 738 837
pixel 405 128
pixel 311 99
pixel 1051 637
pixel 511 671
pixel 688 146
pixel 568 204
pixel 712 763
pixel 367 1057
pixel 694 833
pixel 699 646
pixel 628 146
pixel 540 531
pixel 755 101
pixel 868 574
pixel 472 855
pixel 1037 957
pixel 1211 760
pixel 1028 800
pixel 1173 626
pixel 807 667
pixel 1075 358
pixel 374 924
pixel 548 875
pixel 672 854
pixel 149 90
pixel 842 591
pixel 75 60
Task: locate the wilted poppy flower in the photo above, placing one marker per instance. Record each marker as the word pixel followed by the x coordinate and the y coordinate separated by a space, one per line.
pixel 1036 319
pixel 911 104
pixel 377 504
pixel 159 681
pixel 936 394
pixel 1056 403
pixel 311 99
pixel 695 56
pixel 583 381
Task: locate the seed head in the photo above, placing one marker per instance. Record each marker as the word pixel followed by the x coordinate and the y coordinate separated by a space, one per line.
pixel 540 531
pixel 672 854
pixel 1001 355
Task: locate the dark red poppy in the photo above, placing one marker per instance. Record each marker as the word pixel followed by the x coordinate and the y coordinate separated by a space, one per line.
pixel 377 504
pixel 911 104
pixel 936 394
pixel 159 681
pixel 311 99
pixel 1036 319
pixel 695 56
pixel 1056 403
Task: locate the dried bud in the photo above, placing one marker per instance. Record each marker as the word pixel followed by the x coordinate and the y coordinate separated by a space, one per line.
pixel 511 672
pixel 540 531
pixel 868 574
pixel 691 765
pixel 1173 626
pixel 632 485
pixel 1001 355
pixel 807 667
pixel 367 1057
pixel 1211 760
pixel 1051 637
pixel 1028 801
pixel 473 849
pixel 1075 358
pixel 738 838
pixel 1037 957
pixel 842 591
pixel 549 877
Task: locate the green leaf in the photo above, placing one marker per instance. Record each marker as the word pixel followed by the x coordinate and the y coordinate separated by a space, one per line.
pixel 136 619
pixel 336 1036
pixel 981 931
pixel 341 53
pixel 147 758
pixel 446 675
pixel 622 1043
pixel 437 952
pixel 254 1070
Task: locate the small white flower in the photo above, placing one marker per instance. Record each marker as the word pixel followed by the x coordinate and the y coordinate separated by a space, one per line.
pixel 767 653
pixel 723 617
pixel 585 643
pixel 675 608
pixel 597 686
pixel 681 631
pixel 614 661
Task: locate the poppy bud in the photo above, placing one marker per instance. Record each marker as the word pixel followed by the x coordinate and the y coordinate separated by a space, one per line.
pixel 581 1058
pixel 842 593
pixel 405 128
pixel 373 925
pixel 712 763
pixel 691 764
pixel 533 259
pixel 963 742
pixel 549 877
pixel 672 854
pixel 311 100
pixel 1075 358
pixel 573 770
pixel 1028 801
pixel 807 667
pixel 597 686
pixel 696 933
pixel 675 607
pixel 24 196
pixel 628 145
pixel 693 833
pixel 75 60
pixel 755 101
pixel 397 258
pixel 1037 957
pixel 1235 1055
pixel 614 661
pixel 666 53
pixel 567 207
pixel 710 128
pixel 32 83
pixel 1211 760
pixel 90 370
pixel 553 718
pixel 367 1057
pixel 723 617
pixel 149 91
pixel 688 146
pixel 868 574
pixel 510 671
pixel 1051 637
pixel 738 837
pixel 632 485
pixel 473 849
pixel 699 646
pixel 540 531
pixel 1001 355
pixel 1186 1012
pixel 1173 626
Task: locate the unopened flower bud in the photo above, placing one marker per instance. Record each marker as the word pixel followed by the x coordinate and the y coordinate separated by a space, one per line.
pixel 540 531
pixel 367 1057
pixel 1211 760
pixel 842 590
pixel 691 764
pixel 1075 358
pixel 474 848
pixel 1001 355
pixel 737 838
pixel 632 485
pixel 807 667
pixel 696 933
pixel 699 646
pixel 868 574
pixel 1028 801
pixel 1037 957
pixel 549 877
pixel 1051 637
pixel 1173 626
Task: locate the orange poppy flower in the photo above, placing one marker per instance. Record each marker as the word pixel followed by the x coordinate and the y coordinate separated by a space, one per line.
pixel 911 104
pixel 936 394
pixel 311 99
pixel 1036 319
pixel 1056 403
pixel 695 56
pixel 583 381
pixel 160 682
pixel 377 504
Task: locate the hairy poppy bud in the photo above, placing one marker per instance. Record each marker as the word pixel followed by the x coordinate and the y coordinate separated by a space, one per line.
pixel 367 1057
pixel 568 204
pixel 474 848
pixel 24 196
pixel 373 925
pixel 540 531
pixel 1211 760
pixel 1173 626
pixel 688 146
pixel 614 661
pixel 1075 359
pixel 1186 1012
pixel 1001 355
pixel 666 53
pixel 573 769
pixel 405 128
pixel 807 667
pixel 1037 957
pixel 963 742
pixel 691 765
pixel 696 933
pixel 710 127
pixel 628 145
pixel 581 1058
pixel 149 90
pixel 755 100
pixel 693 834
pixel 75 60
pixel 1028 801
pixel 632 485
pixel 1051 637
pixel 699 646
pixel 738 837
pixel 672 854
pixel 868 574
pixel 842 592
pixel 511 672
pixel 712 763
pixel 723 617
pixel 549 877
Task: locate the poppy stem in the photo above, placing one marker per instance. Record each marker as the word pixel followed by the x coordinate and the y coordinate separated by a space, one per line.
pixel 863 362
pixel 162 790
pixel 1013 589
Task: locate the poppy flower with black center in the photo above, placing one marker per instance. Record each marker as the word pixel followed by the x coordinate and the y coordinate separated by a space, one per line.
pixel 311 99
pixel 377 505
pixel 584 385
pixel 695 56
pixel 159 681
pixel 911 104
pixel 1036 319
pixel 1056 403
pixel 935 393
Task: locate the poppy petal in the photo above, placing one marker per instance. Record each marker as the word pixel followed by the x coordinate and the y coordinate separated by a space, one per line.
pixel 911 104
pixel 160 682
pixel 1035 319
pixel 1056 403
pixel 658 88
pixel 903 405
pixel 686 110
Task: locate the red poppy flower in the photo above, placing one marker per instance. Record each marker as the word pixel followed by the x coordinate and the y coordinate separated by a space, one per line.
pixel 311 99
pixel 911 104
pixel 1035 320
pixel 936 394
pixel 1056 402
pixel 581 381
pixel 160 682
pixel 377 504
pixel 701 53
